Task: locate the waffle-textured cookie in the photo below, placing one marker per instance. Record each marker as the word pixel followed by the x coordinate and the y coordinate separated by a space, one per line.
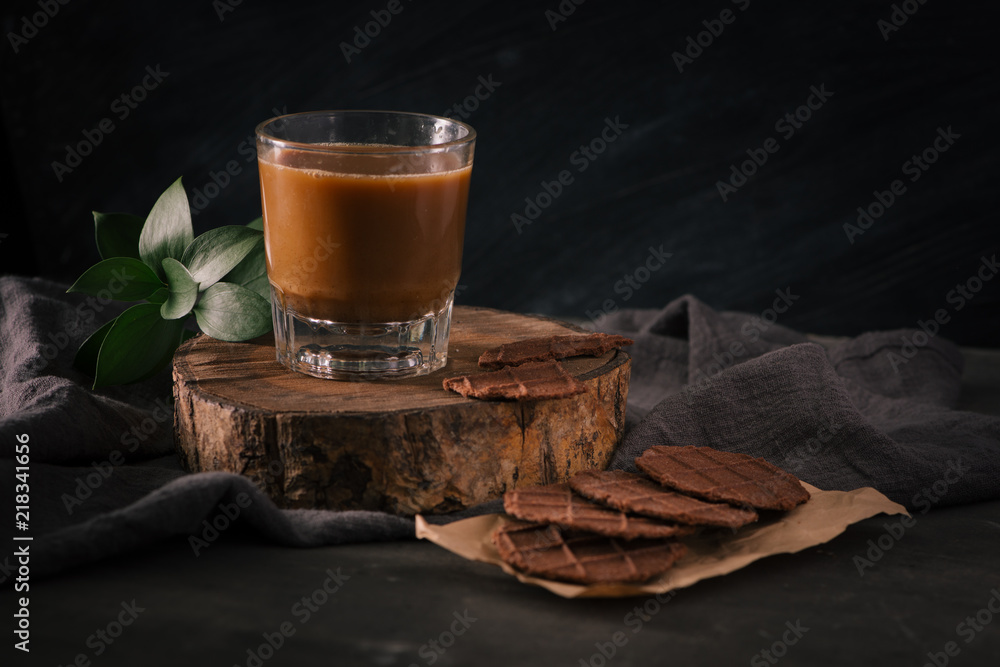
pixel 547 379
pixel 723 477
pixel 630 492
pixel 551 347
pixel 551 552
pixel 557 504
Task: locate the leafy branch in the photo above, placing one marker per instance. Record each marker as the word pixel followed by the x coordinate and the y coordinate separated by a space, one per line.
pixel 219 277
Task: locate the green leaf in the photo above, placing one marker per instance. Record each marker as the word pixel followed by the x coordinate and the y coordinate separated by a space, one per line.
pixel 86 356
pixel 257 223
pixel 252 272
pixel 214 254
pixel 159 296
pixel 233 313
pixel 139 344
pixel 183 290
pixel 117 234
pixel 168 228
pixel 121 278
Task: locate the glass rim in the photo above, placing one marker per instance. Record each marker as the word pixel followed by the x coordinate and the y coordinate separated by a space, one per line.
pixel 262 134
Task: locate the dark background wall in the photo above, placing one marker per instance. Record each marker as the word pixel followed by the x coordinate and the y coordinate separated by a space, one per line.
pixel 656 184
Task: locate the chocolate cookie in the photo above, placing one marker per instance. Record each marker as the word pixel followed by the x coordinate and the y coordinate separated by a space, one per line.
pixel 629 492
pixel 723 477
pixel 548 551
pixel 557 504
pixel 547 379
pixel 551 347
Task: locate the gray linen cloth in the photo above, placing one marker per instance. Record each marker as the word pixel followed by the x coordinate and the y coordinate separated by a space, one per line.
pixel 104 479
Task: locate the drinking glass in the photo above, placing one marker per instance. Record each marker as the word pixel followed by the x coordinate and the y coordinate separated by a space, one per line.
pixel 364 221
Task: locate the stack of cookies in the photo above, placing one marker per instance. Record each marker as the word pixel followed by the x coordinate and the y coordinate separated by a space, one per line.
pixel 613 526
pixel 529 369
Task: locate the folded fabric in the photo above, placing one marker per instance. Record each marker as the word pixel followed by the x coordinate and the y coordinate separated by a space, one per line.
pixel 865 412
pixel 876 410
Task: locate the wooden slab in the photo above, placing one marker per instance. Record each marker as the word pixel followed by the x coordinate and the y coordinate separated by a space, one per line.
pixel 402 446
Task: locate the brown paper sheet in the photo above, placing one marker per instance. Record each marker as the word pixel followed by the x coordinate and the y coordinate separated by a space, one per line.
pixel 826 515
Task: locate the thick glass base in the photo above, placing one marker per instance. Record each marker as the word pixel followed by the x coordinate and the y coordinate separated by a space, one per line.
pixel 351 351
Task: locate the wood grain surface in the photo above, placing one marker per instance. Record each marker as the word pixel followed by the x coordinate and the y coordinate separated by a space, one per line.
pixel 402 446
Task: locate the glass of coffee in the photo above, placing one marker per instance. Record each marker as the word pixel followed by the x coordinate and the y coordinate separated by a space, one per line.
pixel 364 219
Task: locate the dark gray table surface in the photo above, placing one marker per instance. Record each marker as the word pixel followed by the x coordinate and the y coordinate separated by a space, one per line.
pixel 398 598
